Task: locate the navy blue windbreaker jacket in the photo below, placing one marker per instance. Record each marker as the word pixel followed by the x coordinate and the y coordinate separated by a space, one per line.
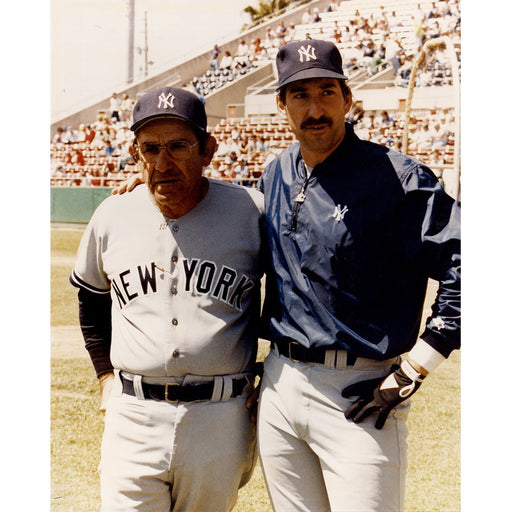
pixel 351 259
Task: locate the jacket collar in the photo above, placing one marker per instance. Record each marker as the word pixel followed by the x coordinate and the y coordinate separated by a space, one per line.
pixel 348 142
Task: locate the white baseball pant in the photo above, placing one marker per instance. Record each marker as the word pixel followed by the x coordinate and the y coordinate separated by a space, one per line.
pixel 315 460
pixel 183 457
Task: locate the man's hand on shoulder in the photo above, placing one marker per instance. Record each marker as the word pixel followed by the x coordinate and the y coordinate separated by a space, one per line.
pixel 128 185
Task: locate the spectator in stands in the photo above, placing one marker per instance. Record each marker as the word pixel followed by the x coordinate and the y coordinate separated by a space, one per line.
pixel 377 59
pixel 258 51
pixel 86 181
pixel 367 52
pixel 235 132
pixel 213 170
pixel 59 171
pixel 352 65
pixel 125 158
pixel 423 78
pixel 381 27
pixel 215 60
pixel 385 119
pixel 392 53
pixel 356 113
pixel 290 33
pixel 80 136
pixel 420 27
pixel 69 135
pixel 436 162
pixel 252 146
pixel 233 157
pixel 126 108
pixel 423 138
pixel 241 59
pixel 439 135
pixel 77 158
pixel 243 146
pixel 226 169
pixel 433 12
pixel 270 42
pixel 394 21
pixel 281 33
pixel 109 148
pixel 362 131
pixel 369 122
pixel 262 144
pixel 58 137
pixel 404 71
pixel 336 33
pixel 346 35
pixel 223 147
pixel 122 136
pixel 397 146
pixel 102 124
pixel 227 61
pixel 307 17
pixel 241 173
pixel 115 107
pixel 419 13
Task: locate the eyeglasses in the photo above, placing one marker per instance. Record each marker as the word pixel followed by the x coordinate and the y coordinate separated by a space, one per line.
pixel 177 149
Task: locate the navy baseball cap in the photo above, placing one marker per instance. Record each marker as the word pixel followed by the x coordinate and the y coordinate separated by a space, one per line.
pixel 312 58
pixel 169 102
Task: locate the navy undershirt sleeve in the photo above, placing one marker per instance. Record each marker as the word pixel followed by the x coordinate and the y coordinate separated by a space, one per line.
pixel 96 324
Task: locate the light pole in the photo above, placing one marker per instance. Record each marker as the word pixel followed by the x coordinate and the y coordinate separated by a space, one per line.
pixel 131 38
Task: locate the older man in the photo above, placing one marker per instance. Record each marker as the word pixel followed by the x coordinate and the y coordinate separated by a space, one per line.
pixel 169 296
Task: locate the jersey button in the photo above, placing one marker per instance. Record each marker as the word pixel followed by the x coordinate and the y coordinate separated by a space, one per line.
pixel 176 353
pixel 174 290
pixel 174 259
pixel 174 321
pixel 175 227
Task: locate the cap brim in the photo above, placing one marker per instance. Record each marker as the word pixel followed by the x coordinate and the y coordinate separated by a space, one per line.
pixel 312 73
pixel 139 124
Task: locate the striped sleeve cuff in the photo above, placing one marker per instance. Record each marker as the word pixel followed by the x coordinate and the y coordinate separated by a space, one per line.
pixel 75 280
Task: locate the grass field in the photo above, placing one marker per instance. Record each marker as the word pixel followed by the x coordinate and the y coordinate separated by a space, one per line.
pixel 433 483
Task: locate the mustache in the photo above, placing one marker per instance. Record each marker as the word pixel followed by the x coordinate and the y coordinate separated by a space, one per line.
pixel 310 121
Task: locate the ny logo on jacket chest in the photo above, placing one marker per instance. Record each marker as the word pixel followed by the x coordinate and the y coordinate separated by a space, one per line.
pixel 339 213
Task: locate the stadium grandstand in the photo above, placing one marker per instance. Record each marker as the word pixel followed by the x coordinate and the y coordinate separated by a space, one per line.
pixel 403 62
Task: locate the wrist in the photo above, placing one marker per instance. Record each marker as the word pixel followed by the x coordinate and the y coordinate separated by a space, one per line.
pixel 424 358
pixel 104 379
pixel 106 376
pixel 411 372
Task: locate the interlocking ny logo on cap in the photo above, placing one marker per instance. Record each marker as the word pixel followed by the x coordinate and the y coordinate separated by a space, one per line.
pixel 307 54
pixel 166 101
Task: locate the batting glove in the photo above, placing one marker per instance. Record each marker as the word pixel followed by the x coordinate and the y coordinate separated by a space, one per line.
pixel 382 395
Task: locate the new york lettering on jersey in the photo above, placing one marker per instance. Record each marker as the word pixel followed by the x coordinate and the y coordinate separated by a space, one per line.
pixel 200 276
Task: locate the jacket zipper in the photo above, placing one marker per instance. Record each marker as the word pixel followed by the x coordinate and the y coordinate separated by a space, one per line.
pixel 299 199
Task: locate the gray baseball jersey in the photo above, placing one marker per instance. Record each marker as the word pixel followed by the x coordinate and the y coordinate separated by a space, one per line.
pixel 186 292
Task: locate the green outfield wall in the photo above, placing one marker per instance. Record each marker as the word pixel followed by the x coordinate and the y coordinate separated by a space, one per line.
pixel 76 204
